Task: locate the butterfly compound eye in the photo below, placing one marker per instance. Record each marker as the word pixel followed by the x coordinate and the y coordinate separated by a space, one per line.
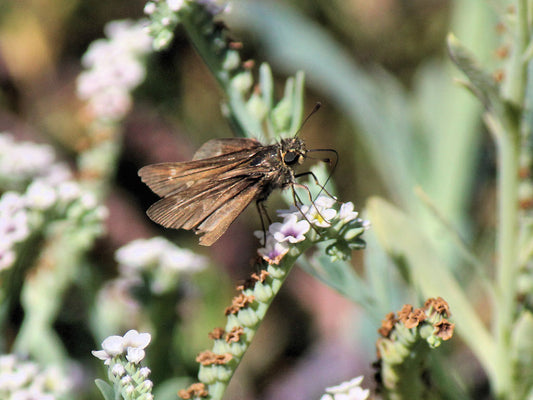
pixel 290 157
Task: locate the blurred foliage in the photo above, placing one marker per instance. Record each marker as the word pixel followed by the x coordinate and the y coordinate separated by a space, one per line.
pixel 390 109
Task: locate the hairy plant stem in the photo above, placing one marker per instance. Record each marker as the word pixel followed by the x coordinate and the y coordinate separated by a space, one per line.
pixel 508 144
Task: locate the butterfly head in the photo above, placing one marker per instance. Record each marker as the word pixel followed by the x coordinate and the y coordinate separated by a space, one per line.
pixel 293 151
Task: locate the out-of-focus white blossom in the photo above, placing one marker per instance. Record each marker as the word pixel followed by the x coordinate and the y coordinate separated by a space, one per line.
pixel 175 5
pixel 114 68
pixel 50 194
pixel 160 258
pixel 25 380
pixel 22 162
pixel 350 390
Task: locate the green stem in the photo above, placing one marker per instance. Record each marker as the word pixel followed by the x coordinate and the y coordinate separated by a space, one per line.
pixel 507 132
pixel 515 83
pixel 278 274
pixel 507 255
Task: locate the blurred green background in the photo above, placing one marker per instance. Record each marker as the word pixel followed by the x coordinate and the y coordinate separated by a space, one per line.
pixel 390 107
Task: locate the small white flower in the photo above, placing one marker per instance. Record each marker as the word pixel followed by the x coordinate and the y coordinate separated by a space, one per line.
pixel 14 228
pixel 177 259
pixel 149 8
pixel 88 200
pixel 175 5
pixel 350 390
pixel 7 258
pixel 68 191
pixel 111 103
pixel 319 213
pixel 145 372
pixel 113 345
pixel 140 253
pixel 273 251
pixel 118 370
pixel 40 195
pixel 325 202
pixel 135 355
pixel 10 203
pixel 132 338
pixel 126 380
pixel 7 361
pixel 290 230
pixel 129 389
pixel 291 210
pixel 101 354
pixel 347 213
pixel 57 173
pixel 147 385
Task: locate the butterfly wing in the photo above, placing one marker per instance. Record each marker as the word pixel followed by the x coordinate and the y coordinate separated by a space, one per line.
pixel 167 178
pixel 217 147
pixel 207 194
pixel 208 209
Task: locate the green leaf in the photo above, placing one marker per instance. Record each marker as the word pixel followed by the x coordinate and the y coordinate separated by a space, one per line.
pixel 340 276
pixel 106 389
pixel 482 84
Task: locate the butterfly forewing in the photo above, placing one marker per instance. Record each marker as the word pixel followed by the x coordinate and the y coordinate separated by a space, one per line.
pixel 209 192
pixel 166 178
pixel 217 147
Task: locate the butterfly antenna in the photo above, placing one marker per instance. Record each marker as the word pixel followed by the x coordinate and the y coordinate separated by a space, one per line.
pixel 314 110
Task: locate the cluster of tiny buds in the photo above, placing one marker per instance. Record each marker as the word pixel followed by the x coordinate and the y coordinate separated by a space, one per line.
pixel 123 354
pixel 301 223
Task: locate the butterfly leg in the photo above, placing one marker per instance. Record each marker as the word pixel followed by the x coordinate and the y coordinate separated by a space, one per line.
pixel 261 209
pixel 322 188
pixel 296 198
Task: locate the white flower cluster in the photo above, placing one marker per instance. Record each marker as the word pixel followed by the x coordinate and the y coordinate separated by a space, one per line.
pixel 165 15
pixel 25 380
pixel 350 390
pixel 122 354
pixel 20 162
pixel 175 5
pixel 297 222
pixel 114 69
pixel 160 258
pixel 21 214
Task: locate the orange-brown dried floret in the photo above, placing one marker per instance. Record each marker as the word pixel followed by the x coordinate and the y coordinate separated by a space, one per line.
pixel 415 318
pixel 235 334
pixel 216 333
pixel 209 358
pixel 387 324
pixel 239 302
pixel 444 329
pixel 195 390
pixel 261 277
pixel 438 304
pixel 403 314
